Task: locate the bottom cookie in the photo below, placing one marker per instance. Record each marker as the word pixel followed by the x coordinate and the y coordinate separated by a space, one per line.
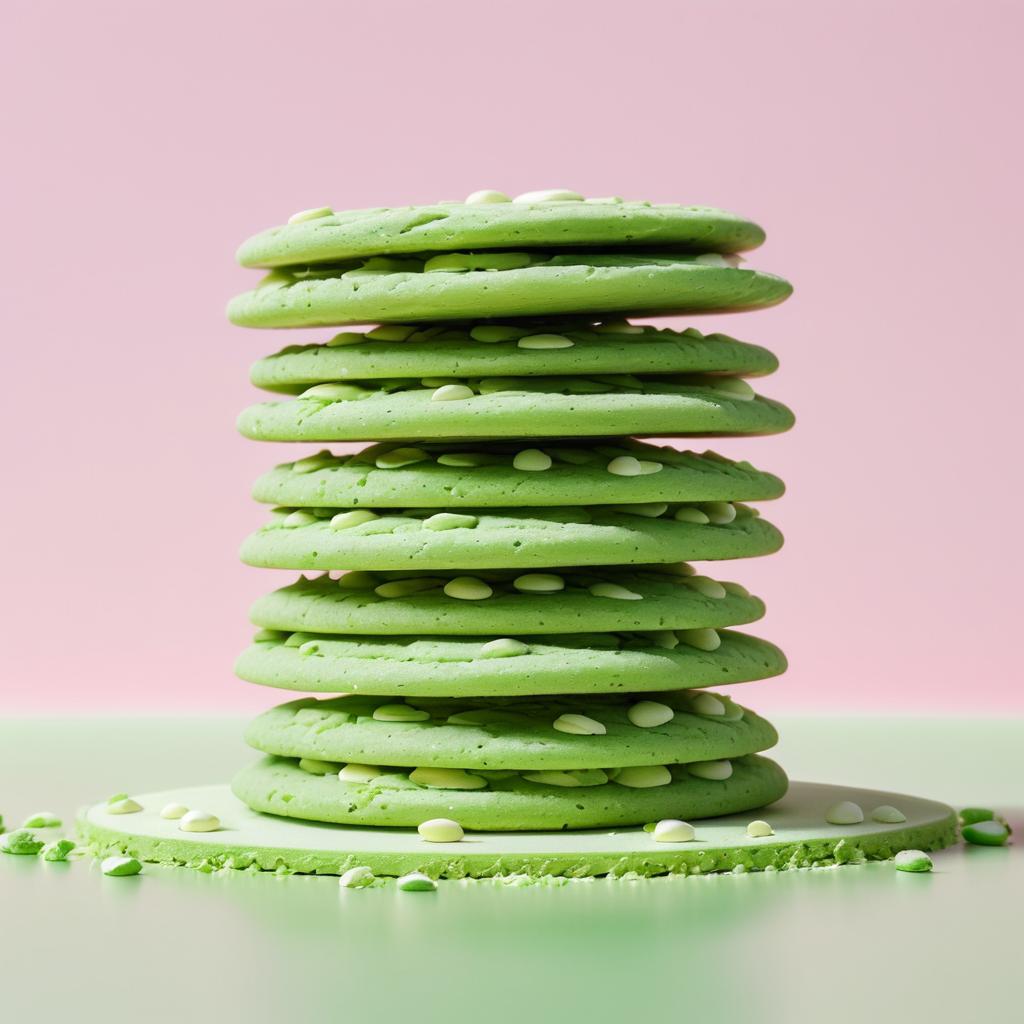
pixel 259 842
pixel 509 801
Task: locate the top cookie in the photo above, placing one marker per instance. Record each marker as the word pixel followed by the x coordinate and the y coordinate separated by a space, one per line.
pixel 316 236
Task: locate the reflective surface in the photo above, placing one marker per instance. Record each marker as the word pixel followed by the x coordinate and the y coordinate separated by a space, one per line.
pixel 849 944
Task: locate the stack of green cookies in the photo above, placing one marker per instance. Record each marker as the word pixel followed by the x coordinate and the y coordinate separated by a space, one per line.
pixel 499 606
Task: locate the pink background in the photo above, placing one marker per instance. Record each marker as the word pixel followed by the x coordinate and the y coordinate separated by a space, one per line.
pixel 877 142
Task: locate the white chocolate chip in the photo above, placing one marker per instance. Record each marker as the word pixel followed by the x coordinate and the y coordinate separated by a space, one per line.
pixel 467 588
pixel 315 213
pixel 449 521
pixel 391 332
pixel 398 457
pixel 356 878
pixel 719 512
pixel 613 590
pixel 199 821
pixel 711 259
pixel 172 812
pixel 578 725
pixel 126 805
pixel 503 647
pixel 717 771
pixel 490 333
pixel 405 588
pixel 452 393
pixel 549 195
pixel 359 773
pixel 299 517
pixel 346 338
pixel 416 881
pixel 888 815
pixel 759 830
pixel 846 812
pixel 647 509
pixel 544 341
pixel 672 830
pixel 532 460
pixel 312 463
pixel 735 387
pixel 912 860
pixel 625 465
pixel 440 830
pixel 707 586
pixel 486 196
pixel 648 714
pixel 707 704
pixel 564 780
pixel 335 392
pixel 689 514
pixel 702 639
pixel 446 778
pixel 399 713
pixel 354 517
pixel 539 583
pixel 643 776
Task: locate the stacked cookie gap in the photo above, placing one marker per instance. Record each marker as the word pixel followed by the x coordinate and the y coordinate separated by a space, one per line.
pixel 498 613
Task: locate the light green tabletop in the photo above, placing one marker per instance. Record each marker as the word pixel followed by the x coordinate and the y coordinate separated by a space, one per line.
pixel 851 944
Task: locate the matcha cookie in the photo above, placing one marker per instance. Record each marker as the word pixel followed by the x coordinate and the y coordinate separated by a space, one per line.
pixel 457 286
pixel 510 475
pixel 509 803
pixel 511 734
pixel 327 538
pixel 522 407
pixel 539 349
pixel 605 600
pixel 316 236
pixel 491 666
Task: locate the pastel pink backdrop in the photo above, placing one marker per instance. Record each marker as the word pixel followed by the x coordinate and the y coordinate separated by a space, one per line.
pixel 877 142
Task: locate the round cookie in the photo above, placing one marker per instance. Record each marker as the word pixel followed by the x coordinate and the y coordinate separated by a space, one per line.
pixel 537 349
pixel 464 666
pixel 278 786
pixel 326 538
pixel 389 290
pixel 506 734
pixel 443 227
pixel 487 475
pixel 519 407
pixel 251 841
pixel 660 601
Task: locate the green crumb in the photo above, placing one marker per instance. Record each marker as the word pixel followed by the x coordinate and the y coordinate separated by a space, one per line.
pixel 913 860
pixel 42 819
pixel 58 850
pixel 117 797
pixel 986 833
pixel 21 842
pixel 416 881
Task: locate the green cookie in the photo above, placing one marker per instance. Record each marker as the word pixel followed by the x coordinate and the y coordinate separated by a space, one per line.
pixel 641 601
pixel 499 475
pixel 447 226
pixel 508 734
pixel 454 666
pixel 327 538
pixel 459 286
pixel 521 407
pixel 513 804
pixel 540 349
